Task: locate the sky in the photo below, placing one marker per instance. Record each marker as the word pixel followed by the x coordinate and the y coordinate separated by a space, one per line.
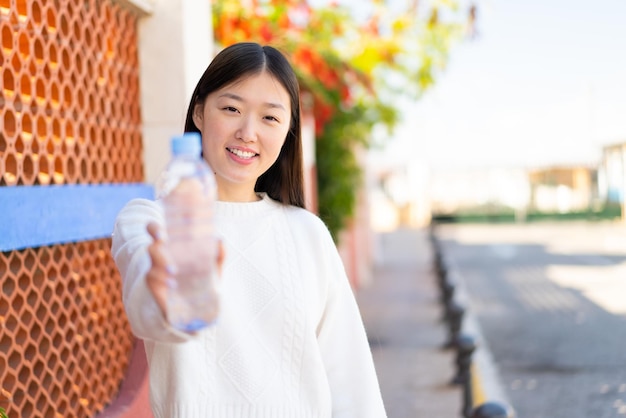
pixel 542 84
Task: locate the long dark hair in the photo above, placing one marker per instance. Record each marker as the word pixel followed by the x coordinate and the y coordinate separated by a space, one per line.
pixel 283 181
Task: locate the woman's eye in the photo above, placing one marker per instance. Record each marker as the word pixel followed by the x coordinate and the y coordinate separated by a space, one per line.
pixel 230 109
pixel 271 118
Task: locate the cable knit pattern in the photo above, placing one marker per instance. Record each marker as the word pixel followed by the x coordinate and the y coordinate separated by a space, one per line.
pixel 293 338
pixel 289 341
pixel 210 345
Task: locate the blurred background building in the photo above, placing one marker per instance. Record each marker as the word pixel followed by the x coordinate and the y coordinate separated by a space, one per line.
pixel 528 115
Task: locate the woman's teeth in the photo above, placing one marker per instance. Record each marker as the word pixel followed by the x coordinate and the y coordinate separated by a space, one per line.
pixel 242 154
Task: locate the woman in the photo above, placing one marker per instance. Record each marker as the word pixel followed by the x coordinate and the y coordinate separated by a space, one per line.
pixel 289 341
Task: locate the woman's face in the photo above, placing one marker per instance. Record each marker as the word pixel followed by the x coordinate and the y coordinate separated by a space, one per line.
pixel 243 127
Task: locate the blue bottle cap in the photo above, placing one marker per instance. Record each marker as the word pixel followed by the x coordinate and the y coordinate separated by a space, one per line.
pixel 189 143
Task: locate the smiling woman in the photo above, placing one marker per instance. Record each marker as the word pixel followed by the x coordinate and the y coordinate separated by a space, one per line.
pixel 244 126
pixel 247 117
pixel 289 341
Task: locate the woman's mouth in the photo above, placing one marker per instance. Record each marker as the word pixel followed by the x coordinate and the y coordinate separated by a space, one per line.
pixel 242 154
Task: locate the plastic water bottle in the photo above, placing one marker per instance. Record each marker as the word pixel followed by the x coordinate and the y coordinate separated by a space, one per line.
pixel 188 192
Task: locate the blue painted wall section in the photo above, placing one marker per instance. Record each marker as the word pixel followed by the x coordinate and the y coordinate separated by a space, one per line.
pixel 34 216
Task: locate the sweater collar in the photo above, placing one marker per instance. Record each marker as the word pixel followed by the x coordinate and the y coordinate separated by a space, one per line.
pixel 239 209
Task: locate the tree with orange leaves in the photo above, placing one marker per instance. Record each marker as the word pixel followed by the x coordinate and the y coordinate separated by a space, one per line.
pixel 353 69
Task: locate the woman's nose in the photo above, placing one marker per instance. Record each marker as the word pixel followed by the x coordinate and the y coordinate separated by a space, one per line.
pixel 246 131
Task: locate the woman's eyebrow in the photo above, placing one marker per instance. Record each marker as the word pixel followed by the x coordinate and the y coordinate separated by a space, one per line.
pixel 232 96
pixel 240 99
pixel 275 106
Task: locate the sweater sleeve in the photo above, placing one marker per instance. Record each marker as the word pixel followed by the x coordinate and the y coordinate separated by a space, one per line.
pixel 344 347
pixel 129 248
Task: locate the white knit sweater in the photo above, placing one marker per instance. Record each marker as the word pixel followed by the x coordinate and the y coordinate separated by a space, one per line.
pixel 289 341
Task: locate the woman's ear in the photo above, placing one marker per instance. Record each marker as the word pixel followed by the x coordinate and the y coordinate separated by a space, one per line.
pixel 197 116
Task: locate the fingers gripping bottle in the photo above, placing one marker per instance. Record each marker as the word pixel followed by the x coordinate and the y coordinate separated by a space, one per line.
pixel 188 192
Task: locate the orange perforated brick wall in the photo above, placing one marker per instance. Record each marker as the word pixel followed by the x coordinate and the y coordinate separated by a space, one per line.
pixel 69 99
pixel 65 342
pixel 69 114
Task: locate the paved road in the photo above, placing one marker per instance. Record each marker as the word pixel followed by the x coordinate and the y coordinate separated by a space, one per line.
pixel 551 302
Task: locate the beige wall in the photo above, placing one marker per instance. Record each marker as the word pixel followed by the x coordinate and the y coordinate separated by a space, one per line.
pixel 175 47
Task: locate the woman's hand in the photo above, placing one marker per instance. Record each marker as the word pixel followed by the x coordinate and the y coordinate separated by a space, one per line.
pixel 160 274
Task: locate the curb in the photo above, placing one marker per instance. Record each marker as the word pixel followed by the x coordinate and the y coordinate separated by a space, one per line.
pixel 486 383
pixel 487 386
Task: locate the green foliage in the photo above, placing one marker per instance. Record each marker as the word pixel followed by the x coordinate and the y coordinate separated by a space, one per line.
pixel 3 413
pixel 339 171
